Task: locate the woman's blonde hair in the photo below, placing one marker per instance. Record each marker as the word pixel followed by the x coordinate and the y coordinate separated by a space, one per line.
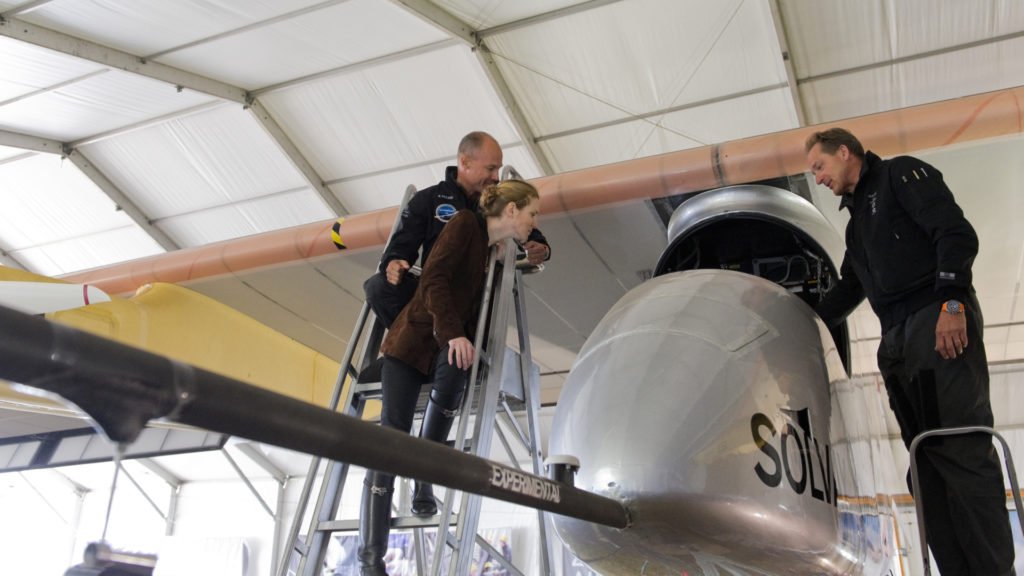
pixel 494 198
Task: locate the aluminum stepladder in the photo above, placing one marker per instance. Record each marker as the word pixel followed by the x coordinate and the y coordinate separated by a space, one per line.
pixel 1011 474
pixel 497 385
pixel 488 372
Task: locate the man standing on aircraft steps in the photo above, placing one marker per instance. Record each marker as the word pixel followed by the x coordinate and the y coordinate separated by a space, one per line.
pixel 421 222
pixel 479 160
pixel 909 250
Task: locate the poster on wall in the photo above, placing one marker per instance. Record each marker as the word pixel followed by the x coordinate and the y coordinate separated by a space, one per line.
pixel 342 557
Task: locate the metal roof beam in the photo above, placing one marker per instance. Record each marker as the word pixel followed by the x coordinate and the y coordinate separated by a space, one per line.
pixel 515 112
pixel 254 453
pixel 544 17
pixel 433 14
pixel 7 260
pixel 262 115
pixel 27 142
pixel 787 59
pixel 248 483
pixel 156 468
pixel 106 56
pixel 119 198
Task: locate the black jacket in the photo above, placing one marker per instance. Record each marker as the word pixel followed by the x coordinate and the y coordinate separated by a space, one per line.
pixel 908 244
pixel 425 216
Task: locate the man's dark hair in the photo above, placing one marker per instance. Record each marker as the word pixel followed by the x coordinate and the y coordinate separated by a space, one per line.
pixel 832 139
pixel 472 142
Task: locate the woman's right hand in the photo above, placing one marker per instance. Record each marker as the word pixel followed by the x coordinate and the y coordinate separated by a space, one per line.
pixel 461 352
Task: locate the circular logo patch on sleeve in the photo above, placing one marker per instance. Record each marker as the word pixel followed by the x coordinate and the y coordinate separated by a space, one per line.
pixel 444 212
pixel 336 234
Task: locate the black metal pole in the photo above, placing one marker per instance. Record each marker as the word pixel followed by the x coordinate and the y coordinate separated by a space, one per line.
pixel 122 388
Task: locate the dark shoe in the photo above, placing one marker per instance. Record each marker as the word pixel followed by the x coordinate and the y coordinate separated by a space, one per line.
pixel 375 523
pixel 423 502
pixel 373 570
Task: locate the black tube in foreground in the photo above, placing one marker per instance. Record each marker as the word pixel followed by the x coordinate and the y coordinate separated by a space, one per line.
pixel 122 388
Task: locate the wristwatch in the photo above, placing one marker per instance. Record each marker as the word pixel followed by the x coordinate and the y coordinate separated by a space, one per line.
pixel 953 307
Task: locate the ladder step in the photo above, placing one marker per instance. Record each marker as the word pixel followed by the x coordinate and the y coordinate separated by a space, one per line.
pixel 402 522
pixel 372 391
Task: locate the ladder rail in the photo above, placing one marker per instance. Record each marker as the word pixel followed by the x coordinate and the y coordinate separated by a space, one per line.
pixel 467 404
pixel 496 555
pixel 332 490
pixel 508 447
pixel 483 425
pixel 1011 474
pixel 531 394
pixel 511 422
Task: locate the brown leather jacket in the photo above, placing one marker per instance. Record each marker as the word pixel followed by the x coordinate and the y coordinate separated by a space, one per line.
pixel 447 299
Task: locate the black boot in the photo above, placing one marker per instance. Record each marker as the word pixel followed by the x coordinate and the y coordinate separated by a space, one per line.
pixel 437 423
pixel 375 522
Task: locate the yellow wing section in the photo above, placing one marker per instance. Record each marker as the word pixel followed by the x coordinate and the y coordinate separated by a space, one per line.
pixel 15 275
pixel 184 325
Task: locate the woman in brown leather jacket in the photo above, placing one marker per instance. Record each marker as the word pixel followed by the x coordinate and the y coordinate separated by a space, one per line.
pixel 430 341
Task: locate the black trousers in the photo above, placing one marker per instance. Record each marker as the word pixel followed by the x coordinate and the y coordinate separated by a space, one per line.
pixel 387 300
pixel 961 479
pixel 401 385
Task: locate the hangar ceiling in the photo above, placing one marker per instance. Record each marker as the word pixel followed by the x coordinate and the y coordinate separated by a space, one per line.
pixel 133 127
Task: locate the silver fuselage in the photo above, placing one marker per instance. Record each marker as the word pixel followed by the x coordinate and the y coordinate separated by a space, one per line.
pixel 715 405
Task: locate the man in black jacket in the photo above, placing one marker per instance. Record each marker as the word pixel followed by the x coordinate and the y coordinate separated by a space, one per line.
pixel 909 250
pixel 391 288
pixel 423 218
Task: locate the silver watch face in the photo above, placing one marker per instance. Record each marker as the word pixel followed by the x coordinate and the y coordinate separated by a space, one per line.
pixel 954 306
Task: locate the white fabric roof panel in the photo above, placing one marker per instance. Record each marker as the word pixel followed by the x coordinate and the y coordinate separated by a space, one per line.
pixel 345 33
pixel 490 13
pixel 629 58
pixel 519 158
pixel 749 115
pixel 831 36
pixel 940 77
pixel 94 250
pixel 27 68
pixel 96 104
pixel 202 161
pixel 146 27
pixel 54 219
pixel 363 194
pixel 6 152
pixel 391 115
pixel 246 218
pixel 611 144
